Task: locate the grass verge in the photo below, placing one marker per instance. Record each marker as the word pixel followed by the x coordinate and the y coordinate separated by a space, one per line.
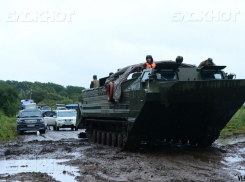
pixel 236 125
pixel 7 127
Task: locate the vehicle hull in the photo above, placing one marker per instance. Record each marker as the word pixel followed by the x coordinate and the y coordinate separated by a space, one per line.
pixel 180 110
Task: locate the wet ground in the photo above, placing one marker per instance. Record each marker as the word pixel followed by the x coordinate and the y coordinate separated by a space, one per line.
pixel 61 156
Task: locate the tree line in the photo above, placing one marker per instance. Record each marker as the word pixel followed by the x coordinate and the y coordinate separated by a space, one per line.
pixel 11 92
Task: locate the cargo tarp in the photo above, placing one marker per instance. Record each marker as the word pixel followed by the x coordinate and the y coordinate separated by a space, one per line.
pixel 123 74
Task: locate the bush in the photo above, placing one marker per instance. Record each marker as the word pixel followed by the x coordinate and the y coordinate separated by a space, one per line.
pixel 8 127
pixel 9 101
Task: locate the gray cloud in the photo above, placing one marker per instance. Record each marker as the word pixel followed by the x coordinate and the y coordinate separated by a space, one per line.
pixel 104 36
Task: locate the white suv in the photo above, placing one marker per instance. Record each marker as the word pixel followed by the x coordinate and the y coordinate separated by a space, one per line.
pixel 65 119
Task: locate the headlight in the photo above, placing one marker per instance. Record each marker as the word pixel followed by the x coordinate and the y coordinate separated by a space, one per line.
pixel 60 120
pixel 21 121
pixel 40 121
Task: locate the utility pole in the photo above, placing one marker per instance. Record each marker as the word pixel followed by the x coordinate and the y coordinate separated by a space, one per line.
pixel 30 93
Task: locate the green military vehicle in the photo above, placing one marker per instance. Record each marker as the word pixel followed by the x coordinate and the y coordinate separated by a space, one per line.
pixel 175 102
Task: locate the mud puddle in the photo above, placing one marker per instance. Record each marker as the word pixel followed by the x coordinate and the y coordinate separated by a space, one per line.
pixel 61 156
pixel 51 167
pixel 166 164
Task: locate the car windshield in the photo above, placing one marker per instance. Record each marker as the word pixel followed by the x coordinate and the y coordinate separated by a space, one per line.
pixel 167 75
pixel 48 114
pixel 66 114
pixel 46 108
pixel 35 113
pixel 211 75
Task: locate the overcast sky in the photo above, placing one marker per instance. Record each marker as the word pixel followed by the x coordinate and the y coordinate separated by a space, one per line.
pixel 67 42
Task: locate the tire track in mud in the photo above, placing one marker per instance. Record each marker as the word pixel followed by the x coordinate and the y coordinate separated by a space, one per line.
pixel 102 163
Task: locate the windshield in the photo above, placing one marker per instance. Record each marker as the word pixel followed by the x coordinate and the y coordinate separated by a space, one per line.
pixel 66 114
pixel 145 76
pixel 35 113
pixel 48 114
pixel 167 75
pixel 210 75
pixel 46 108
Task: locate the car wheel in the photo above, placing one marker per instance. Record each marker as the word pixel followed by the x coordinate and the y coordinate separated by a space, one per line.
pixel 19 131
pixel 76 128
pixel 57 128
pixel 72 128
pixel 42 131
pixel 54 128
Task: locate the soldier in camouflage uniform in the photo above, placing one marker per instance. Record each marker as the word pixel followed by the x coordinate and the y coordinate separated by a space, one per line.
pixel 208 62
pixel 95 83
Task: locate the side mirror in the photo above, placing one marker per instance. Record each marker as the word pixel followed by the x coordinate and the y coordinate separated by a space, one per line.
pixel 17 116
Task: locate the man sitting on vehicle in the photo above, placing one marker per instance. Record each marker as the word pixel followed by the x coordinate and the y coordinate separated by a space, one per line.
pixel 208 62
pixel 149 63
pixel 95 83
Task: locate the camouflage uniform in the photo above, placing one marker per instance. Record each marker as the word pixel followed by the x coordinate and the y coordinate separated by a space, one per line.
pixel 94 84
pixel 203 64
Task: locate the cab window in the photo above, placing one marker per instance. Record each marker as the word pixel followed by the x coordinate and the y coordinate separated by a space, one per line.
pixel 167 75
pixel 211 75
pixel 145 76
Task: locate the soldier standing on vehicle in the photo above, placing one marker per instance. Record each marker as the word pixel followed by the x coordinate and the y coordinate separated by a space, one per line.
pixel 208 62
pixel 95 83
pixel 149 63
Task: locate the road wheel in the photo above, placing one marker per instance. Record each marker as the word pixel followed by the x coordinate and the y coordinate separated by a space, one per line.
pixel 72 128
pixel 114 139
pixel 99 137
pixel 120 140
pixel 103 138
pixel 76 128
pixel 184 141
pixel 94 137
pixel 57 128
pixel 54 128
pixel 108 138
pixel 193 142
pixel 175 140
pixel 205 142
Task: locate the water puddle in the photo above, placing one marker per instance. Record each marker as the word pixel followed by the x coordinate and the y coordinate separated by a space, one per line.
pixel 50 166
pixel 235 164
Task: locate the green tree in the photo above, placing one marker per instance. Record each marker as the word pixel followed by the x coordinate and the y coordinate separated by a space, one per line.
pixel 52 96
pixel 9 101
pixel 39 94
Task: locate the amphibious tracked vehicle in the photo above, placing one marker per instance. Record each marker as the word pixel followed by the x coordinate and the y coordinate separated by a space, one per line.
pixel 175 102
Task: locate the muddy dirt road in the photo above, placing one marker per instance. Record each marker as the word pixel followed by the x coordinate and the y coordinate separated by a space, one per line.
pixel 61 156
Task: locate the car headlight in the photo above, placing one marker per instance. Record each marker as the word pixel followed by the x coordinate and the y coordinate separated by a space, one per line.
pixel 21 121
pixel 59 120
pixel 40 121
